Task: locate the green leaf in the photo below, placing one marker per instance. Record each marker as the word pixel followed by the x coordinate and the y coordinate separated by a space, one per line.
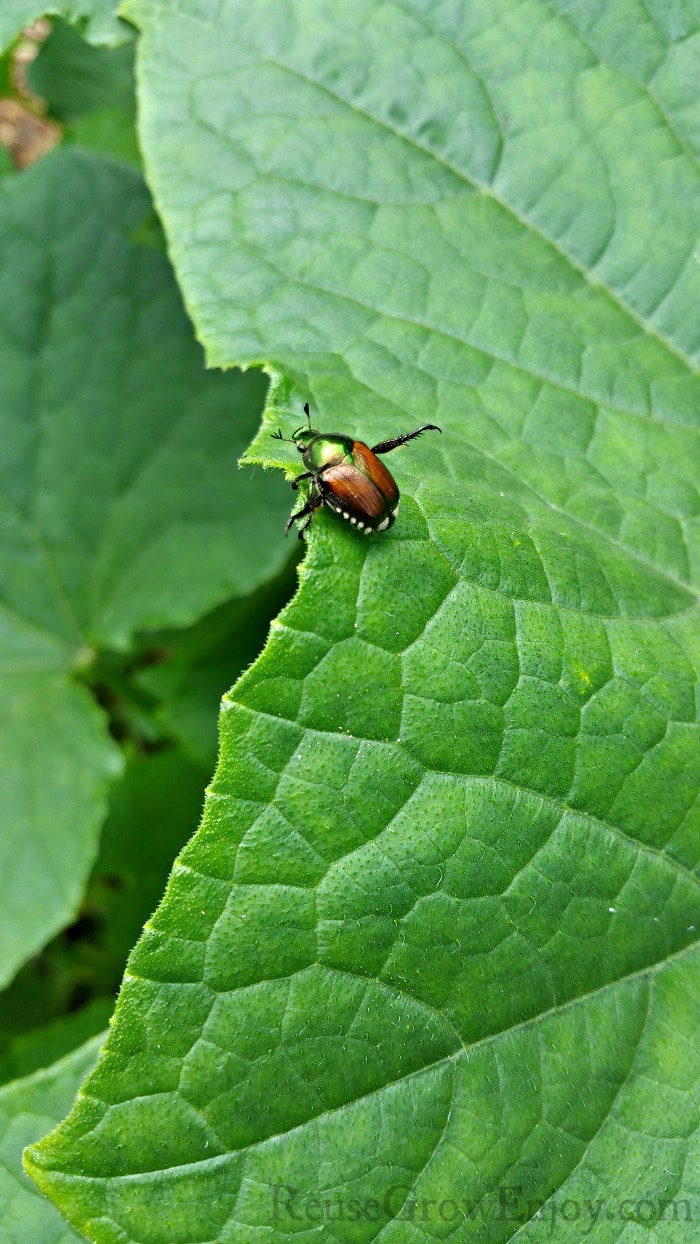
pixel 96 19
pixel 121 506
pixel 27 1108
pixel 432 955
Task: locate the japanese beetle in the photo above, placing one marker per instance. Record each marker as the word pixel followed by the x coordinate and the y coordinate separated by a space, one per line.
pixel 347 476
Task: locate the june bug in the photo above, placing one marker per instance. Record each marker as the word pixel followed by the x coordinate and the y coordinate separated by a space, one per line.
pixel 347 476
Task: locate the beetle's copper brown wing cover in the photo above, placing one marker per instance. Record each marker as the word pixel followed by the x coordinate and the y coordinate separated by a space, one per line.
pixel 354 492
pixel 374 467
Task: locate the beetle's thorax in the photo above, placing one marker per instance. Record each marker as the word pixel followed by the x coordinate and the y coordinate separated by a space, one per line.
pixel 326 450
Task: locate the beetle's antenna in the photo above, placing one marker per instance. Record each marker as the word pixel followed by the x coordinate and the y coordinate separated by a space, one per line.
pixel 277 436
pixel 306 412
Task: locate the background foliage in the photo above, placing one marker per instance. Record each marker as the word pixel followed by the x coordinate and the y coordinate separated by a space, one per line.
pixel 434 942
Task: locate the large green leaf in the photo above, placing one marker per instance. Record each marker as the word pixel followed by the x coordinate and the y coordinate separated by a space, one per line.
pixel 27 1108
pixel 429 965
pixel 121 506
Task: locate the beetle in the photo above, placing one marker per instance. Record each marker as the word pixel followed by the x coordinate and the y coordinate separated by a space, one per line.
pixel 347 476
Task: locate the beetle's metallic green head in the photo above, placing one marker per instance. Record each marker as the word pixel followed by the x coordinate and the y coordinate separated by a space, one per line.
pixel 303 437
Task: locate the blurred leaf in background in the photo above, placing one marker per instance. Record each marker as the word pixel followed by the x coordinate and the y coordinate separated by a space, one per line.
pixel 204 661
pixel 27 1108
pixel 44 1040
pixel 122 506
pixel 172 706
pixel 95 19
pixel 153 811
pixel 89 90
pixel 120 466
pixel 73 77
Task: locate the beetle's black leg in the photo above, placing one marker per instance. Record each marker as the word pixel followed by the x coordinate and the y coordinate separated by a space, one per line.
pixel 303 527
pixel 312 504
pixel 304 475
pixel 385 447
